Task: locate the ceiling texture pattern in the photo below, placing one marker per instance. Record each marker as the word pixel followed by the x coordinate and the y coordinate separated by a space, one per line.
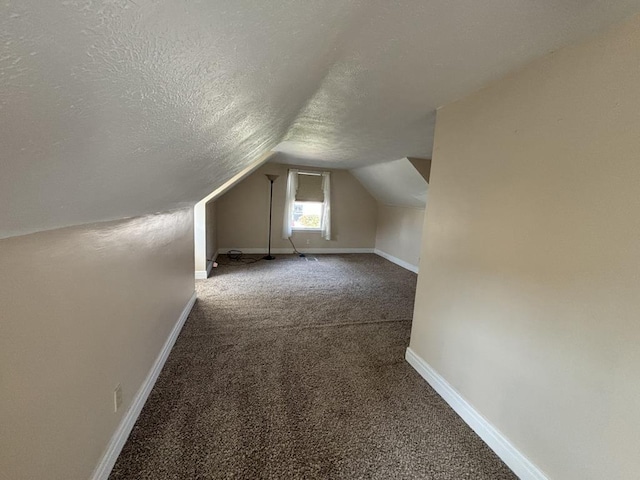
pixel 117 108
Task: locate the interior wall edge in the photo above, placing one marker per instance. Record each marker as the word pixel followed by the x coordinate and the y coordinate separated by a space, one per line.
pixel 500 444
pixel 204 274
pixel 396 260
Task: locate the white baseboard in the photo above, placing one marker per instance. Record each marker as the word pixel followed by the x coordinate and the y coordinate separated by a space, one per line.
pixel 280 251
pixel 397 261
pixel 121 434
pixel 204 274
pixel 500 444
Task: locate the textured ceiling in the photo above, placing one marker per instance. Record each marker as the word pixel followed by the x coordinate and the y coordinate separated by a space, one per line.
pixel 395 183
pixel 116 108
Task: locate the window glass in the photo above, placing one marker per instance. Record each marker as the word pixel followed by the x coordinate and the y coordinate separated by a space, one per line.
pixel 307 216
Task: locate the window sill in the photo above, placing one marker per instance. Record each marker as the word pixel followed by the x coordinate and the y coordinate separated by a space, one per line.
pixel 306 229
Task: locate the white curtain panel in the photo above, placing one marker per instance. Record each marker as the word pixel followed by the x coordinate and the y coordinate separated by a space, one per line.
pixel 292 188
pixel 326 211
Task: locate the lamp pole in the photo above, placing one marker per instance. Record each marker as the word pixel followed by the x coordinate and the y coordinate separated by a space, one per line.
pixel 271 179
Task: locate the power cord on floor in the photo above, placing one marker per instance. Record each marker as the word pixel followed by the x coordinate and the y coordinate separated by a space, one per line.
pixel 235 259
pixel 295 250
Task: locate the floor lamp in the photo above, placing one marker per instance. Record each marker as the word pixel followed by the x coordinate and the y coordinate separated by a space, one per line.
pixel 271 179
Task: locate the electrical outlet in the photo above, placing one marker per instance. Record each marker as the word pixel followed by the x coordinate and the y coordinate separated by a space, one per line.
pixel 308 241
pixel 117 398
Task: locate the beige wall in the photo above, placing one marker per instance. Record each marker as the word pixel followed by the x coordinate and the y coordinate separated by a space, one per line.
pixel 243 213
pixel 399 232
pixel 200 237
pixel 212 230
pixel 529 302
pixel 83 309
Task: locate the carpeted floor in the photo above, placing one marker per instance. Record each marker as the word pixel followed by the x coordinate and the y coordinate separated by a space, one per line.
pixel 294 369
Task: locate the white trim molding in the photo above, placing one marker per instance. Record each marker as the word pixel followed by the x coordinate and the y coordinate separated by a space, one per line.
pixel 119 438
pixel 284 251
pixel 397 261
pixel 515 460
pixel 204 274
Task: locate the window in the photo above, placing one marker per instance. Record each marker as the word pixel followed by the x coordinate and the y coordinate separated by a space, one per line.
pixel 307 205
pixel 307 216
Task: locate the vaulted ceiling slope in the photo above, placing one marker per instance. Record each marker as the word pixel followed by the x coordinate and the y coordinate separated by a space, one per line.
pixel 397 183
pixel 117 108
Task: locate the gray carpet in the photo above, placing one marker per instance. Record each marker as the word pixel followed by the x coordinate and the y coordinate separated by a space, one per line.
pixel 294 369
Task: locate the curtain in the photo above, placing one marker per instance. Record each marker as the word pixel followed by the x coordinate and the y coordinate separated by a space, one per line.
pixel 326 211
pixel 292 188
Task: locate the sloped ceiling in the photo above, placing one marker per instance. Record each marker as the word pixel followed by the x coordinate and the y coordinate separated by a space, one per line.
pixel 396 183
pixel 117 108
